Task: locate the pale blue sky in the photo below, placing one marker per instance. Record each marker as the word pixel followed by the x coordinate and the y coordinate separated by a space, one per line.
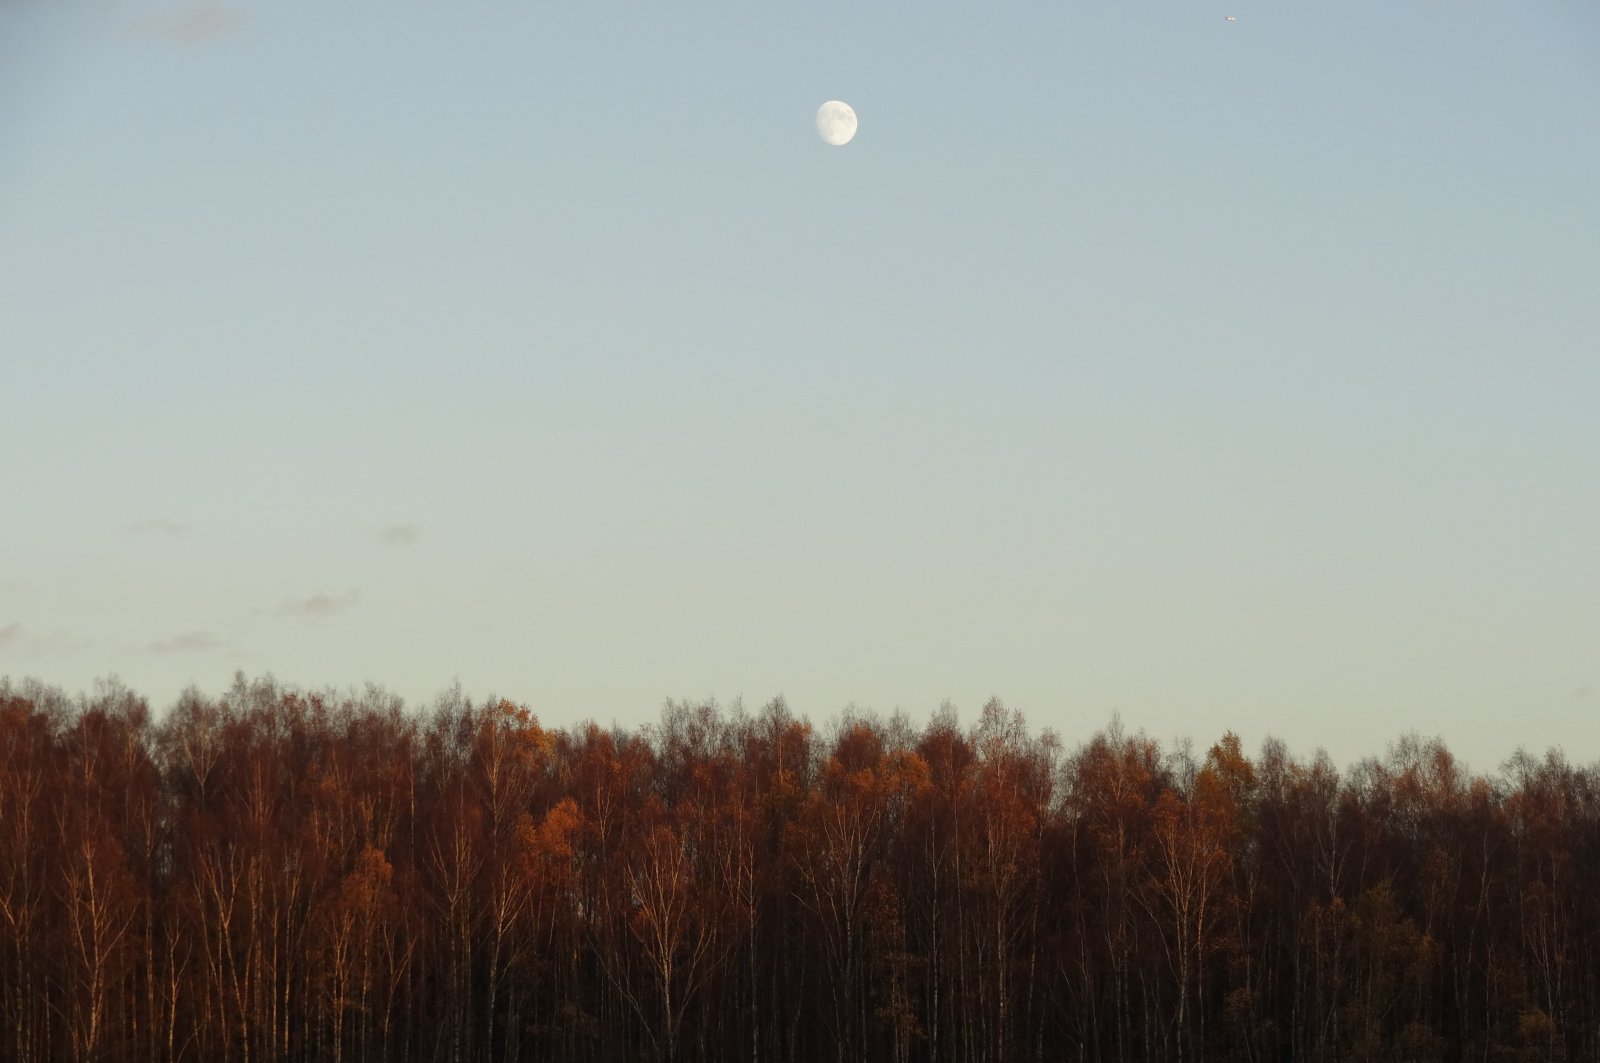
pixel 1224 375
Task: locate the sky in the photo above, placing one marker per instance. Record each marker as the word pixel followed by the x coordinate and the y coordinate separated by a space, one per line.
pixel 1218 375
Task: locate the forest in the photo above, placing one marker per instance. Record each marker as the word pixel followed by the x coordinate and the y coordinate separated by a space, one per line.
pixel 276 874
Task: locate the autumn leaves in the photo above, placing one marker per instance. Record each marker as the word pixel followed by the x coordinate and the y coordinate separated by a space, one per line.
pixel 277 875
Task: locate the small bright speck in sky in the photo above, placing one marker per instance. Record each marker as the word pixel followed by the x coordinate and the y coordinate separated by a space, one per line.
pixel 1130 365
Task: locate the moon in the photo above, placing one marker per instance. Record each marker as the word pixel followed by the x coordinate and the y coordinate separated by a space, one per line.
pixel 836 123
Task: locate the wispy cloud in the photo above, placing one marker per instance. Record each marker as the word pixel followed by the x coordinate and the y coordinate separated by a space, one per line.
pixel 187 642
pixel 400 534
pixel 1580 693
pixel 160 526
pixel 15 636
pixel 319 605
pixel 195 23
pixel 59 641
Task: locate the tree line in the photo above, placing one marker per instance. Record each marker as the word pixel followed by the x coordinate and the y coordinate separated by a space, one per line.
pixel 276 874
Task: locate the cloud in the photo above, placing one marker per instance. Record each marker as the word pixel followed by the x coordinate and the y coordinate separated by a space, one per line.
pixel 160 526
pixel 14 635
pixel 320 604
pixel 59 641
pixel 400 534
pixel 1580 693
pixel 196 23
pixel 188 642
